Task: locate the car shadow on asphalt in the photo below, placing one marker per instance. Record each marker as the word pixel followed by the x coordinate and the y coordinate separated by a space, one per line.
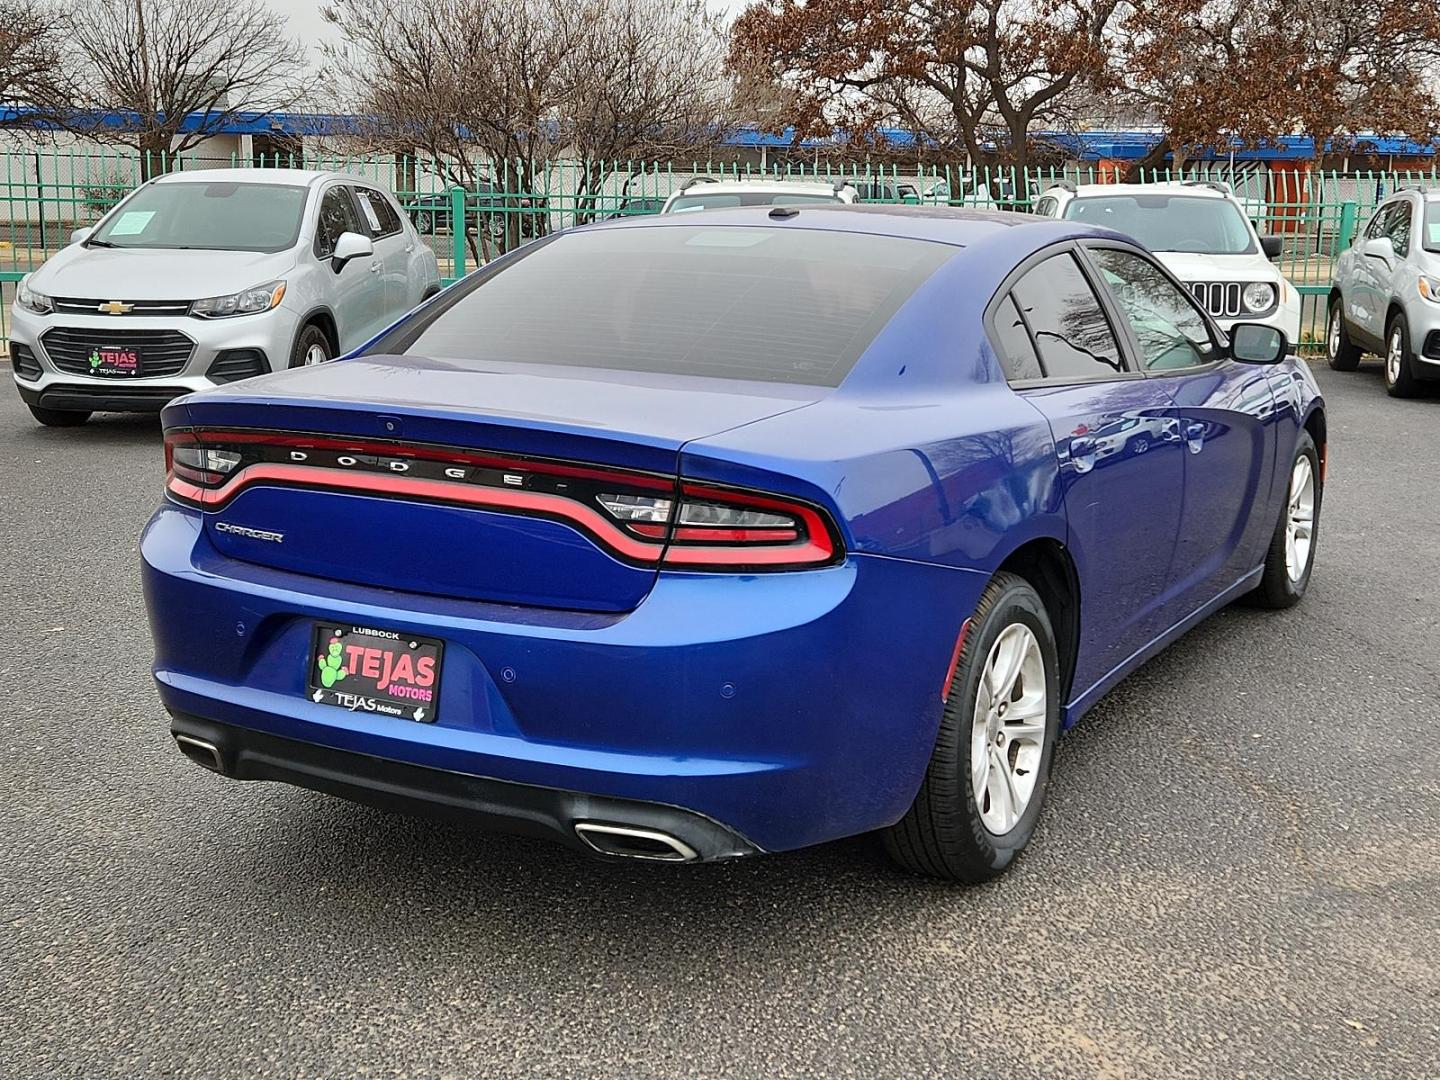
pixel 102 429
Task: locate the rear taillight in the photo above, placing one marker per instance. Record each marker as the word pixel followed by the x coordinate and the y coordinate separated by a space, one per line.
pixel 638 517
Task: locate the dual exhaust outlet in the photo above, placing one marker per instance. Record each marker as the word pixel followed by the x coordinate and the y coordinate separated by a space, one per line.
pixel 612 841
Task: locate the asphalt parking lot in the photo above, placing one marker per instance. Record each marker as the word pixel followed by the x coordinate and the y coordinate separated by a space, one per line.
pixel 1238 872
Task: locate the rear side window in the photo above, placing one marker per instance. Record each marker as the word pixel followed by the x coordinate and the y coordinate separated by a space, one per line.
pixel 379 214
pixel 1016 350
pixel 1069 325
pixel 789 305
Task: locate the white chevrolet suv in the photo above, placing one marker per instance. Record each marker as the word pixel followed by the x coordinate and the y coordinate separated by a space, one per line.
pixel 208 277
pixel 1202 234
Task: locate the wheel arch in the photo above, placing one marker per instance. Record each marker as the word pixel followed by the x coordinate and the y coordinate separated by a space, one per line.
pixel 1047 565
pixel 1316 424
pixel 324 318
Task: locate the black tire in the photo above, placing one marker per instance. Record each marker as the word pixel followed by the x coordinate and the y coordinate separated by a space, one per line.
pixel 1400 380
pixel 942 834
pixel 1277 589
pixel 58 417
pixel 1342 353
pixel 1139 445
pixel 310 337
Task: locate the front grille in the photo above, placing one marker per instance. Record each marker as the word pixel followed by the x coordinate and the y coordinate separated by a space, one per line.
pixel 1219 298
pixel 162 352
pixel 24 362
pixel 232 365
pixel 70 305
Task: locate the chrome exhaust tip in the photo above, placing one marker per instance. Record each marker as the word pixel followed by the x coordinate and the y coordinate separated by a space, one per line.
pixel 626 842
pixel 201 752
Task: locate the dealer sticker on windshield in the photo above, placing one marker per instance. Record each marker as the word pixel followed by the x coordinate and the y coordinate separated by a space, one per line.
pixel 365 669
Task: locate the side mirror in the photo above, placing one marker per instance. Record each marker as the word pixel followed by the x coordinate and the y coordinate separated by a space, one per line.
pixel 79 236
pixel 1272 246
pixel 1256 343
pixel 1379 247
pixel 349 245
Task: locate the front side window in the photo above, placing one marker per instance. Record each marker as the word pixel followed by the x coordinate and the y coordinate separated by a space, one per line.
pixel 206 216
pixel 337 215
pixel 770 304
pixel 1069 325
pixel 1397 227
pixel 1380 223
pixel 1163 222
pixel 1171 333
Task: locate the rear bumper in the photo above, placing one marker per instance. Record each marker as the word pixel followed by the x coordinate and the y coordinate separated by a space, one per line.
pixel 790 708
pixel 496 805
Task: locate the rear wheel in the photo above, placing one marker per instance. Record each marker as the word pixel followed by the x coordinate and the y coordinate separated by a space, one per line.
pixel 311 347
pixel 58 417
pixel 1292 548
pixel 986 781
pixel 1400 378
pixel 1339 349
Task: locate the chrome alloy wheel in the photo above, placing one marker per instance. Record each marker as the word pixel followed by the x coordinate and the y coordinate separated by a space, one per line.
pixel 1332 337
pixel 1300 518
pixel 1007 733
pixel 315 354
pixel 1394 355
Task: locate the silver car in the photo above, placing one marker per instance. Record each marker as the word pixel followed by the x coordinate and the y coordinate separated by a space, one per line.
pixel 1386 295
pixel 209 277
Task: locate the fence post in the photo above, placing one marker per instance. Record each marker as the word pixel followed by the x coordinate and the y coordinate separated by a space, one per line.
pixel 1348 214
pixel 457 232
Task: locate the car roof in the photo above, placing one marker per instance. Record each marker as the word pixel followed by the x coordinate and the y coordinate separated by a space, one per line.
pixel 723 187
pixel 288 177
pixel 1162 187
pixel 956 225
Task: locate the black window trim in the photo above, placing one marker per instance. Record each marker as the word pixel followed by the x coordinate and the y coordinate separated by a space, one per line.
pixel 1217 337
pixel 1087 271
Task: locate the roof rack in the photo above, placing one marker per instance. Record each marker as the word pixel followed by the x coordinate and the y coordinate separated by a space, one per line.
pixel 1065 185
pixel 688 184
pixel 1213 185
pixel 841 184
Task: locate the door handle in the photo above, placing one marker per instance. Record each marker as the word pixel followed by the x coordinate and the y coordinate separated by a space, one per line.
pixel 376 267
pixel 1195 437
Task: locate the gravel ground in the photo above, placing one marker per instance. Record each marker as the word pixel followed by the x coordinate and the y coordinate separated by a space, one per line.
pixel 1238 872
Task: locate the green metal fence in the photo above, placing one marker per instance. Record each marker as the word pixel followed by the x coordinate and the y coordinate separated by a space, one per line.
pixel 49 193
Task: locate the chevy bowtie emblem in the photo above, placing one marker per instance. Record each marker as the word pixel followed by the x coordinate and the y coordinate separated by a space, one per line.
pixel 115 307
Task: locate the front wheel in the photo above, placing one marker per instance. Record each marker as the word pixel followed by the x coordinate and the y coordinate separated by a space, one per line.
pixel 59 417
pixel 985 784
pixel 1340 351
pixel 312 347
pixel 1292 547
pixel 1400 378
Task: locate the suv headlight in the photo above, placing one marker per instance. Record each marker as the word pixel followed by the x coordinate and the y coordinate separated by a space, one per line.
pixel 1429 288
pixel 33 301
pixel 247 302
pixel 1259 296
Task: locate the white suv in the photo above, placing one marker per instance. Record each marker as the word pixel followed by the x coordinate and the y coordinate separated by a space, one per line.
pixel 209 277
pixel 1202 234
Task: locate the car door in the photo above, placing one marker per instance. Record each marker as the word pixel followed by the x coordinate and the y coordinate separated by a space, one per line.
pixel 1059 344
pixel 1225 411
pixel 394 246
pixel 1370 291
pixel 357 290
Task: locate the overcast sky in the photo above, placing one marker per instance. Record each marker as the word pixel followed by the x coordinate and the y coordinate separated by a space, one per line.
pixel 306 24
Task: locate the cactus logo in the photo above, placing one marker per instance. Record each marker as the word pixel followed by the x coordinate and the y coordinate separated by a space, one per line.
pixel 94 358
pixel 329 661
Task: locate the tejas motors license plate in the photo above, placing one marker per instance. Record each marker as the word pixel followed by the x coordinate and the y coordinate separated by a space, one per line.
pixel 364 669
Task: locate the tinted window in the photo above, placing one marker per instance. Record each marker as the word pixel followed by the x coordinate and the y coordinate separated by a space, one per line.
pixel 337 215
pixel 379 214
pixel 214 217
pixel 1397 226
pixel 1170 331
pixel 774 304
pixel 1015 349
pixel 1378 223
pixel 1209 226
pixel 1070 327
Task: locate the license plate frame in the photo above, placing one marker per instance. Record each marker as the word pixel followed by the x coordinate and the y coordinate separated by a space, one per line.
pixel 116 362
pixel 376 671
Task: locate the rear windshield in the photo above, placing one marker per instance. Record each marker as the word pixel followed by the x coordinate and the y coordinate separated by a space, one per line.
pixel 1169 222
pixel 789 305
pixel 215 217
pixel 720 200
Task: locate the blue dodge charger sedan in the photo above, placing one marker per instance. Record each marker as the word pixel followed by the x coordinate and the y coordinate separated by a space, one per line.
pixel 696 537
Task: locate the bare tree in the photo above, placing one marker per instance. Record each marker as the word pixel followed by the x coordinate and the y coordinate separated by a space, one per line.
pixel 156 63
pixel 29 43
